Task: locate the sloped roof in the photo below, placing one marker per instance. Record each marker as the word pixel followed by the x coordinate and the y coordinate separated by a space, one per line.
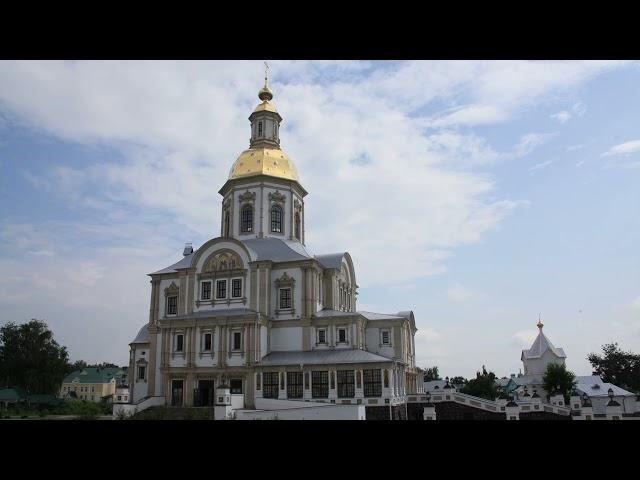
pixel 331 260
pixel 268 248
pixel 380 316
pixel 143 335
pixel 94 375
pixel 276 249
pixel 322 357
pixel 540 345
pixel 593 386
pixel 185 262
pixel 327 312
pixel 12 394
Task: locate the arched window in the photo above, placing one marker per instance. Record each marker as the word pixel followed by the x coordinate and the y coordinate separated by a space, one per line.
pixel 276 219
pixel 246 219
pixel 297 225
pixel 259 129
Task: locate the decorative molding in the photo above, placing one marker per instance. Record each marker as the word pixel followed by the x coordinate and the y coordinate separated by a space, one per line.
pixel 172 289
pixel 277 197
pixel 247 197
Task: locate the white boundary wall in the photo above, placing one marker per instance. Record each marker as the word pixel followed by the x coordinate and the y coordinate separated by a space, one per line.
pixel 272 409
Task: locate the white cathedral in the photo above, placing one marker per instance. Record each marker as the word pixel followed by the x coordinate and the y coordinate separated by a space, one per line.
pixel 253 310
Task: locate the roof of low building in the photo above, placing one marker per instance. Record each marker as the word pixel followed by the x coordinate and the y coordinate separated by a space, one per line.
pixel 380 316
pixel 12 394
pixel 94 375
pixel 321 357
pixel 277 249
pixel 593 386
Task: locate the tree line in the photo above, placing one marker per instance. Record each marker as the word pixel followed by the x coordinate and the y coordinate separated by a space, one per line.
pixel 31 359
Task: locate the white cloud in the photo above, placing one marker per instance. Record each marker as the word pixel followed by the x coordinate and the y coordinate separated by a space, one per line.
pixel 635 303
pixel 578 109
pixel 561 116
pixel 525 338
pixel 625 148
pixel 540 166
pixel 530 141
pixel 458 293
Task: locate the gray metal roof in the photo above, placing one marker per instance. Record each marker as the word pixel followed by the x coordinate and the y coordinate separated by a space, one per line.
pixel 276 249
pixel 143 335
pixel 185 262
pixel 331 260
pixel 593 386
pixel 380 316
pixel 540 345
pixel 322 357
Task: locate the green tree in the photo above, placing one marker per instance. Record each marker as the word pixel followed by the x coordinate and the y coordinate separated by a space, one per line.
pixel 483 386
pixel 457 381
pixel 431 373
pixel 30 358
pixel 617 367
pixel 558 378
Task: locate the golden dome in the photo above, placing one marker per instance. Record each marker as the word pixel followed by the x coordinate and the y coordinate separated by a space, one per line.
pixel 266 106
pixel 264 161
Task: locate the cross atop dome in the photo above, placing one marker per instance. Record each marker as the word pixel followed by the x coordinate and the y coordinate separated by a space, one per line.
pixel 265 94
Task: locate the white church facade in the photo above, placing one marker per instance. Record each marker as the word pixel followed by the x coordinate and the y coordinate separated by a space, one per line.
pixel 254 310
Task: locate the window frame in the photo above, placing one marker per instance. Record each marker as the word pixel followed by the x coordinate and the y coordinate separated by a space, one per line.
pixel 143 369
pixel 270 384
pixel 320 384
pixel 218 283
pixel 289 298
pixel 233 341
pixel 246 229
pixel 179 336
pixel 204 341
pixel 346 383
pixel 202 284
pixel 169 305
pixel 382 342
pixel 372 382
pixel 233 282
pixel 346 335
pixel 295 385
pixel 277 221
pixel 318 332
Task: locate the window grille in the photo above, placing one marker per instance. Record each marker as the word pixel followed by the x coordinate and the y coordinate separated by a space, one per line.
pixel 320 384
pixel 372 383
pixel 294 385
pixel 346 384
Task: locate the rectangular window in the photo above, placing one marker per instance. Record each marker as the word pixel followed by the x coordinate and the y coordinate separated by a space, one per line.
pixel 235 385
pixel 237 340
pixel 172 305
pixel 294 385
pixel 207 342
pixel 372 383
pixel 322 336
pixel 221 289
pixel 342 335
pixel 179 343
pixel 346 384
pixel 385 337
pixel 270 385
pixel 206 290
pixel 285 298
pixel 320 384
pixel 236 288
pixel 119 397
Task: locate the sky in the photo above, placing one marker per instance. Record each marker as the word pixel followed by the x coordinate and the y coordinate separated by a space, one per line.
pixel 482 195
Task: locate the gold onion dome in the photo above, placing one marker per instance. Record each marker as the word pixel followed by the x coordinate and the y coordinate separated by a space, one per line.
pixel 264 161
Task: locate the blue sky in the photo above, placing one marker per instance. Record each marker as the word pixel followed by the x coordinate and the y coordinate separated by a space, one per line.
pixel 477 194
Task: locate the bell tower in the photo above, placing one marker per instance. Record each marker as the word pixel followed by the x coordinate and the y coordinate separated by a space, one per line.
pixel 265 119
